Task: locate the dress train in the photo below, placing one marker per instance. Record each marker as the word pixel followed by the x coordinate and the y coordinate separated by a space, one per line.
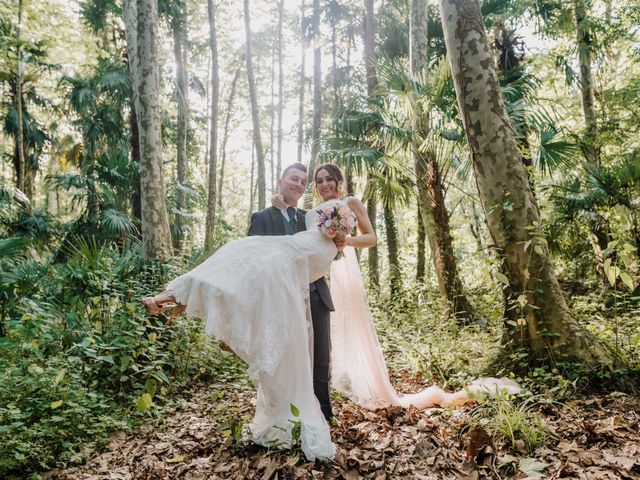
pixel 358 369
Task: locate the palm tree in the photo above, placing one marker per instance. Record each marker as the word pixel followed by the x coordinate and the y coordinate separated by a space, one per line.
pixel 361 147
pixel 19 123
pixel 105 176
pixel 586 198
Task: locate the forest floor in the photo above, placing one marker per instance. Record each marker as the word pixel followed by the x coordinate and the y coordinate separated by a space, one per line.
pixel 590 438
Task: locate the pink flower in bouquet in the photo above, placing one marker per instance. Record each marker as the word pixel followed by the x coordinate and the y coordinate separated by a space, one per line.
pixel 336 219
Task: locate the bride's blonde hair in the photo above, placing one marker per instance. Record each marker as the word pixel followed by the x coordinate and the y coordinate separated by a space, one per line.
pixel 335 173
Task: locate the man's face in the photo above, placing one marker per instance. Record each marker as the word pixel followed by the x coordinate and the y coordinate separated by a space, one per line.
pixel 292 185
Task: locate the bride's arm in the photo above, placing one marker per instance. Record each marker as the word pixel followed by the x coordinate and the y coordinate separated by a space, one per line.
pixel 367 237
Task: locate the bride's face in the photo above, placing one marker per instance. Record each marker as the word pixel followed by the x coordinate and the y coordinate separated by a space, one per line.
pixel 325 184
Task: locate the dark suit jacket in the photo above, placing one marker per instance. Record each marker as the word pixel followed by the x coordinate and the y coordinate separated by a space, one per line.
pixel 271 222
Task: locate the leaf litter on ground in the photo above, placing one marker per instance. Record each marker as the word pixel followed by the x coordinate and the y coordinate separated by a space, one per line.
pixel 594 438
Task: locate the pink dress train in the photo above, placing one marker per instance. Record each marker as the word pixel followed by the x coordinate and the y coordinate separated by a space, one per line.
pixel 358 369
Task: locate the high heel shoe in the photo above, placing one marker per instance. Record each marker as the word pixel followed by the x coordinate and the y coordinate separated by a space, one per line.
pixel 154 308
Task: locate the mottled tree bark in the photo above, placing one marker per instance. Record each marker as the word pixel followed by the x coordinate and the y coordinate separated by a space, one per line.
pixel 140 18
pixel 546 326
pixel 372 83
pixel 255 113
pixel 435 216
pixel 210 223
pixel 178 25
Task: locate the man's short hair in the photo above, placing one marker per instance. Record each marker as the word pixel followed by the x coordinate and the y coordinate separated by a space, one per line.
pixel 297 166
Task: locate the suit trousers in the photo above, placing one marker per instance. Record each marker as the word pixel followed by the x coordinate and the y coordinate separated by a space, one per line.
pixel 321 317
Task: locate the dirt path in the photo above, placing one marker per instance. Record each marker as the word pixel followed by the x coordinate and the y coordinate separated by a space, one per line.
pixel 596 438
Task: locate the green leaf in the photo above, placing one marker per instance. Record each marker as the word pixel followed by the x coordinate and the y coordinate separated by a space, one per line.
pixel 294 411
pixel 153 337
pixel 106 358
pixel 612 274
pixel 59 377
pixel 532 467
pixel 144 402
pixel 502 278
pixel 160 376
pixel 56 404
pixel 151 386
pixel 627 280
pixel 124 362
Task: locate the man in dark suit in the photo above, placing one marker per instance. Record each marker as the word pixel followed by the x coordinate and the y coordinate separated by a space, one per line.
pixel 274 221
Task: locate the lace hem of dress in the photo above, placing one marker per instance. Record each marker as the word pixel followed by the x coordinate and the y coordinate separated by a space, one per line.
pixel 315 442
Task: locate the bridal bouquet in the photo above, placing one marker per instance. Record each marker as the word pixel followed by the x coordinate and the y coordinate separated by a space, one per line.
pixel 336 219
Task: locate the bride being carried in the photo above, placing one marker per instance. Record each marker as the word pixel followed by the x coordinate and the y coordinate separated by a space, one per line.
pixel 258 295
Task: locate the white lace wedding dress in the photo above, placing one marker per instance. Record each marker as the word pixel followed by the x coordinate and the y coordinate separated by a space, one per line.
pixel 253 294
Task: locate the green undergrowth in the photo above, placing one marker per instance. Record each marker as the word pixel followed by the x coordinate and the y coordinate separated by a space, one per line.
pixel 417 336
pixel 80 358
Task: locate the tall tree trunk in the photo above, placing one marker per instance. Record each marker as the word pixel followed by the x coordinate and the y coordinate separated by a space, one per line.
pixel 255 113
pixel 372 83
pixel 546 326
pixel 280 87
pixel 434 212
pixel 272 113
pixel 134 141
pixel 334 62
pixel 420 248
pixel 178 25
pixel 140 18
pixel 210 224
pixel 599 226
pixel 252 188
pixel 317 89
pixel 395 272
pixel 22 165
pixel 225 133
pixel 302 85
pixel 591 148
pixel 349 172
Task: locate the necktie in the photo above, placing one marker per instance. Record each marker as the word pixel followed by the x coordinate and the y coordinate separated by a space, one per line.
pixel 291 211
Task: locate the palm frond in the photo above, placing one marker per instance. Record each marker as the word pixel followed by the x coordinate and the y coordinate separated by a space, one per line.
pixel 66 181
pixel 555 152
pixel 117 223
pixel 12 248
